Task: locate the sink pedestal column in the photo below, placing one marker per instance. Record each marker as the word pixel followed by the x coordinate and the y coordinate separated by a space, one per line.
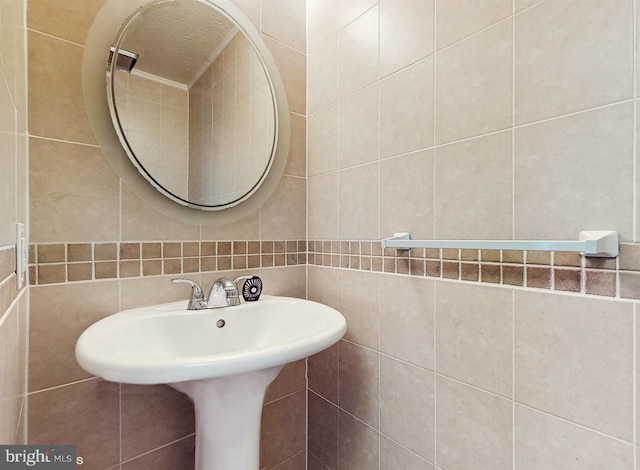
pixel 228 415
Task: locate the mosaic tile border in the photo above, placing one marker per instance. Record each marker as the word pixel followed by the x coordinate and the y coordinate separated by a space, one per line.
pixel 54 263
pixel 559 271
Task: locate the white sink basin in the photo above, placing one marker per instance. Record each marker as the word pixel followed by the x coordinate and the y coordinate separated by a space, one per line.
pixel 167 343
pixel 223 359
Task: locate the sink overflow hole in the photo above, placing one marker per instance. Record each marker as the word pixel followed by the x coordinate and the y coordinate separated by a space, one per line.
pixel 220 323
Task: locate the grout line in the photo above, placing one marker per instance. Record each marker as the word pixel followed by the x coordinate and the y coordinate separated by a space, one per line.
pixel 337 405
pixel 634 203
pixel 574 423
pixel 283 397
pixel 513 120
pixel 435 381
pixel 158 448
pixel 48 389
pixel 51 36
pixel 435 119
pixel 407 449
pixel 635 385
pixel 513 374
pixel 378 356
pixel 474 34
pixel 70 142
pixel 120 424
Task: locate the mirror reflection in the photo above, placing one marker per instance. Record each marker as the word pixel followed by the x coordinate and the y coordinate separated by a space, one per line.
pixel 192 103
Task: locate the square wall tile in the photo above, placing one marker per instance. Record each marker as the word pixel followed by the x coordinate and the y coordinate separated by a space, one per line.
pixel 180 454
pixel 358 302
pixel 323 141
pixel 322 66
pixel 283 216
pixel 520 5
pixel 358 53
pixel 407 400
pixel 85 414
pixel 350 10
pixel 153 416
pixel 566 165
pixel 542 440
pixel 140 221
pixel 358 203
pixel 474 188
pixel 322 285
pixel 297 162
pixel 404 180
pixel 474 85
pixel 70 209
pixel 292 66
pixel 58 315
pixel 359 382
pixel 284 432
pixel 406 110
pixel 407 320
pixel 69 21
pixel 323 373
pixel 359 444
pixel 560 367
pixel 322 206
pixel 13 371
pixel 292 31
pixel 323 430
pixel 7 178
pixel 474 428
pixel 406 33
pixel 586 62
pixel 55 82
pixel 458 19
pixel 322 21
pixel 393 456
pixel 474 335
pixel 358 128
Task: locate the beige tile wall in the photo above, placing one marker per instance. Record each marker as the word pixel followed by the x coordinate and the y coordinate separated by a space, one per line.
pixel 463 119
pixel 105 250
pixel 14 303
pixel 445 118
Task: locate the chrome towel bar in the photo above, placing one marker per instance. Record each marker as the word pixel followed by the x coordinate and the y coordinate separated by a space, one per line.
pixel 593 243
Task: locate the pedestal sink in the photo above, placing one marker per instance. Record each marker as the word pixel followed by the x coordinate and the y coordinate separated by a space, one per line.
pixel 223 359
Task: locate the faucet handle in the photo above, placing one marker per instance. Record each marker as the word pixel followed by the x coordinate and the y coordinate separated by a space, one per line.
pixel 240 278
pixel 196 300
pixel 251 288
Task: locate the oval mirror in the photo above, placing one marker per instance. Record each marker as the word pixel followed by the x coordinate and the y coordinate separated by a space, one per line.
pixel 192 103
pixel 195 100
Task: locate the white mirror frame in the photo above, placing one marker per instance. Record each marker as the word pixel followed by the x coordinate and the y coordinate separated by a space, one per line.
pixel 101 35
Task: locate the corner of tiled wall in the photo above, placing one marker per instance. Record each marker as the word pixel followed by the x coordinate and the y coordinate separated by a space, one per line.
pixel 14 302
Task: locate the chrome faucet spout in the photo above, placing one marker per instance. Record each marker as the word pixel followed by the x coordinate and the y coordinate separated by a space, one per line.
pixel 218 293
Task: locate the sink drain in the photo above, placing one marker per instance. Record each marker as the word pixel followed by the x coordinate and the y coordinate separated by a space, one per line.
pixel 220 323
